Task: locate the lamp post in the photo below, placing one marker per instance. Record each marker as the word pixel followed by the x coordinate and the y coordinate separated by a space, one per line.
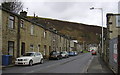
pixel 102 23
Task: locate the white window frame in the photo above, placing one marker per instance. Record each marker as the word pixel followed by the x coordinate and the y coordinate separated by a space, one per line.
pixel 22 23
pixel 44 34
pixel 11 22
pixel 32 30
pixel 31 47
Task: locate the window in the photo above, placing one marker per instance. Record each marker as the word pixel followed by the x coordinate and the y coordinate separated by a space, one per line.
pixel 10 47
pixel 31 47
pixel 22 23
pixel 118 21
pixel 32 29
pixel 38 48
pixel 45 34
pixel 45 48
pixel 11 22
pixel 22 48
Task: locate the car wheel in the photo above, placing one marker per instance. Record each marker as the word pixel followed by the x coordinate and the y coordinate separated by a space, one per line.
pixel 58 58
pixel 67 56
pixel 49 58
pixel 41 62
pixel 30 62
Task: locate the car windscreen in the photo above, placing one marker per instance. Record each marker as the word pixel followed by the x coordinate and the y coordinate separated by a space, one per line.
pixel 28 54
pixel 53 53
pixel 61 52
pixel 70 52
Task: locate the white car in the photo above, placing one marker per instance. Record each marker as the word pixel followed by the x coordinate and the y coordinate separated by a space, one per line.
pixel 29 58
pixel 64 54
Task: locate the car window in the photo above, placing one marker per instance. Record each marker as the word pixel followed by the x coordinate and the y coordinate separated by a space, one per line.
pixel 52 53
pixel 35 54
pixel 61 52
pixel 28 54
pixel 58 52
pixel 38 54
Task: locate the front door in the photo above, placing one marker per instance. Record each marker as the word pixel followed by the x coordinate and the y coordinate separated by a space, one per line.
pixel 22 48
pixel 10 48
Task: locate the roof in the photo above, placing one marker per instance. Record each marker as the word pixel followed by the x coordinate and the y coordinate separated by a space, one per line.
pixel 19 16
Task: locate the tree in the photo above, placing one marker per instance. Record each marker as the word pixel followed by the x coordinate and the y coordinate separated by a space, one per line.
pixel 15 6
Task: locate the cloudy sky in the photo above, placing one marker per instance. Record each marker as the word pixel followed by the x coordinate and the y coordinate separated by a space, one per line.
pixel 72 10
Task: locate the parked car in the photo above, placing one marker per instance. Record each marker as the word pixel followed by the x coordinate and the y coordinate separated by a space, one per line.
pixel 55 55
pixel 75 53
pixel 29 58
pixel 71 53
pixel 94 53
pixel 64 54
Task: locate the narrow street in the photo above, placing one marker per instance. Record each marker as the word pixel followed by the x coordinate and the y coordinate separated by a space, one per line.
pixel 75 64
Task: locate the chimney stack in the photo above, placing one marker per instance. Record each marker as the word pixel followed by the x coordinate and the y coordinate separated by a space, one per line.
pixel 23 13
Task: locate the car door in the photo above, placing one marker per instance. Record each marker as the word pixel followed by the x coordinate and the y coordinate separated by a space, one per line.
pixel 35 58
pixel 38 57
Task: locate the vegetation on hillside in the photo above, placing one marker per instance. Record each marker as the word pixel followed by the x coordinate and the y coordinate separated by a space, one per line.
pixel 82 32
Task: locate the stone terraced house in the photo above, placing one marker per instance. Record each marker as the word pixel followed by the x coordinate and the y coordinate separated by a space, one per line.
pixel 20 35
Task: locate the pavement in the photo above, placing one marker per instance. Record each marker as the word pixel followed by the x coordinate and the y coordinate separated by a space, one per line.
pixel 97 65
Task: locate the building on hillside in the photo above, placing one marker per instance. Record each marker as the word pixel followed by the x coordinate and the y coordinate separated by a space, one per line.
pixel 113 30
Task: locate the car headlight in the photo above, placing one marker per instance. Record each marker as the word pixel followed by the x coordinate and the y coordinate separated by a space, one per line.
pixel 25 59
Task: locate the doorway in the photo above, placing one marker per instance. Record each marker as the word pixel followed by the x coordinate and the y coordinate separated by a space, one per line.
pixel 22 48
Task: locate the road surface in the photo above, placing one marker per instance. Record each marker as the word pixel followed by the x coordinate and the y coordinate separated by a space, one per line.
pixel 74 64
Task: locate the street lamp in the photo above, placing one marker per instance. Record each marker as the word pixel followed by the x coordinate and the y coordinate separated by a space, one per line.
pixel 102 24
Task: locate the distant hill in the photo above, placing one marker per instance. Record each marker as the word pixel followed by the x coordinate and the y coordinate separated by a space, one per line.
pixel 79 31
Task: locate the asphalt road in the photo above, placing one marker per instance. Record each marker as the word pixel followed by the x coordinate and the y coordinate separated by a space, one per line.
pixel 74 64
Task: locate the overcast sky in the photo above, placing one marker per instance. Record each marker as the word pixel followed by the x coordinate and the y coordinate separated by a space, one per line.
pixel 72 10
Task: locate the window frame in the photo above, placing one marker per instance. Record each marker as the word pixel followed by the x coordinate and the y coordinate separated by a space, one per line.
pixel 11 22
pixel 9 47
pixel 45 34
pixel 32 47
pixel 117 20
pixel 22 23
pixel 32 30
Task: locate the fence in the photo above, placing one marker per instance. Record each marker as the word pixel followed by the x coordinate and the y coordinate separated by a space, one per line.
pixel 113 54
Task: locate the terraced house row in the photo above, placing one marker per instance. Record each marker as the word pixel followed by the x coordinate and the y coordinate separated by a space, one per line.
pixel 20 35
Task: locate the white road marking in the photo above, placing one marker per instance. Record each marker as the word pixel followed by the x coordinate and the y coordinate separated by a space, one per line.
pixel 86 67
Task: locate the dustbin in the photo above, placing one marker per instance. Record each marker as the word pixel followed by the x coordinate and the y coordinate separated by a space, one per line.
pixel 6 60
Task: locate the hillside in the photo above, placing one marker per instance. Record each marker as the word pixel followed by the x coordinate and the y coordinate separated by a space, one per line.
pixel 79 31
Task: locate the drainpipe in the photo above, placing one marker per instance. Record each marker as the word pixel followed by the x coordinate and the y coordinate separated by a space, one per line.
pixel 18 37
